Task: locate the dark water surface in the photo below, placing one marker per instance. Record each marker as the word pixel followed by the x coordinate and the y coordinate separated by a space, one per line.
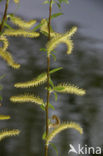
pixel 84 68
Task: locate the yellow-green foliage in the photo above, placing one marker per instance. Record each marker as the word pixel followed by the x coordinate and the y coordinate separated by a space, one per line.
pixel 27 98
pixel 21 32
pixel 4 117
pixel 62 127
pixel 8 58
pixel 16 1
pixel 44 28
pixel 42 78
pixel 67 88
pixel 61 38
pixel 5 42
pixel 8 133
pixel 21 23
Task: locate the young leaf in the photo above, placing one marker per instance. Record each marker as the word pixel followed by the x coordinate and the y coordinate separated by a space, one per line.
pixel 51 106
pixel 54 147
pixel 42 107
pixel 1 77
pixel 54 57
pixel 0 98
pixel 51 83
pixel 37 27
pixel 43 49
pixel 56 96
pixel 1 87
pixel 56 15
pixel 55 70
pixel 58 5
pixel 44 136
pixel 46 2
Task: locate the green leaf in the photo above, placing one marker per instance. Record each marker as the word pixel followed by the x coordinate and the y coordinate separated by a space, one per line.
pixel 59 88
pixel 66 1
pixel 56 15
pixel 1 87
pixel 51 83
pixel 55 70
pixel 51 106
pixel 42 107
pixel 46 2
pixel 37 27
pixel 54 147
pixel 44 135
pixel 1 77
pixel 43 49
pixel 54 57
pixel 58 5
pixel 56 96
pixel 1 98
pixel 8 26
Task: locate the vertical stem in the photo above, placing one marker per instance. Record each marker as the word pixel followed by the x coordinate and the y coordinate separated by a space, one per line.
pixel 4 15
pixel 48 77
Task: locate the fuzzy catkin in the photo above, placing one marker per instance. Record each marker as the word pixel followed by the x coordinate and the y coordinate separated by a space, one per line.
pixel 8 133
pixel 21 23
pixel 21 32
pixel 5 42
pixel 4 117
pixel 68 88
pixel 9 59
pixel 42 78
pixel 27 98
pixel 62 127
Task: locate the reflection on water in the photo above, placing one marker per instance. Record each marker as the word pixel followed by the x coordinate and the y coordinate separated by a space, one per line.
pixel 82 68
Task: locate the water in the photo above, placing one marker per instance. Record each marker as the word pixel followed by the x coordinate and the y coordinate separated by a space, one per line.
pixel 82 68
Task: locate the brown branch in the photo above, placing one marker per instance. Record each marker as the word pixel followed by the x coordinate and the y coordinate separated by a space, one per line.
pixel 4 15
pixel 48 78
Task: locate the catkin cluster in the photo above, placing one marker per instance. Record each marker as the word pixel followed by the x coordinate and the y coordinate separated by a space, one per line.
pixel 23 30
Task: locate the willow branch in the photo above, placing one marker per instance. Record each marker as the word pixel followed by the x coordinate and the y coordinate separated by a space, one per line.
pixel 4 15
pixel 48 77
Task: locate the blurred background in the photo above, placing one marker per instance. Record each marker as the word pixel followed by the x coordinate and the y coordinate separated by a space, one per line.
pixel 84 68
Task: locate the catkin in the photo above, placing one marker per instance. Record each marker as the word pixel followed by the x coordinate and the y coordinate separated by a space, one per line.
pixel 27 98
pixel 42 78
pixel 9 59
pixel 21 32
pixel 71 89
pixel 8 133
pixel 21 23
pixel 4 117
pixel 62 127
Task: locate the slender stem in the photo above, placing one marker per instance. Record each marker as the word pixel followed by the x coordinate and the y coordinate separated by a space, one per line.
pixel 4 15
pixel 48 77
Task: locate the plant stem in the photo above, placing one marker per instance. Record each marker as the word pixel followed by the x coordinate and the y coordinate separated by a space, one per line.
pixel 48 77
pixel 4 15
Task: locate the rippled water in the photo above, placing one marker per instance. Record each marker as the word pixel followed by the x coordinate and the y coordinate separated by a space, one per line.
pixel 84 68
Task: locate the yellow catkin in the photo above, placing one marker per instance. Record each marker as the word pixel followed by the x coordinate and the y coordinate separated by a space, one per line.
pixel 8 58
pixel 44 28
pixel 27 98
pixel 4 117
pixel 21 23
pixel 5 42
pixel 71 89
pixel 61 38
pixel 16 1
pixel 62 127
pixel 42 78
pixel 21 32
pixel 8 133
